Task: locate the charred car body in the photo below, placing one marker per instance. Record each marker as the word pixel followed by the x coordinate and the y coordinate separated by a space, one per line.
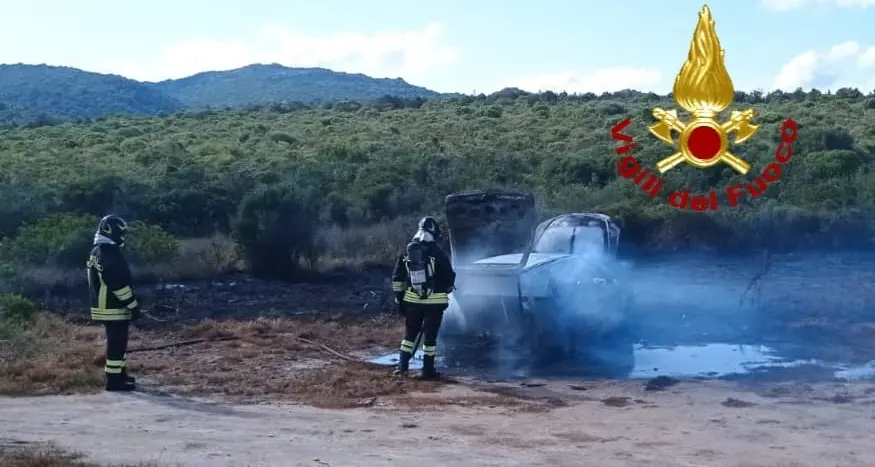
pixel 552 289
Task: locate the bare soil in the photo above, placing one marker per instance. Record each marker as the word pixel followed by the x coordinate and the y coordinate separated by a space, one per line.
pixel 600 424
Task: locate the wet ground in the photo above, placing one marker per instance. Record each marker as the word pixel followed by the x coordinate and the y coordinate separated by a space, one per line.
pixel 707 361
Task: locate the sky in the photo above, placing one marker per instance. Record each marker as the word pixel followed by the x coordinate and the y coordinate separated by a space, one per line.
pixel 454 45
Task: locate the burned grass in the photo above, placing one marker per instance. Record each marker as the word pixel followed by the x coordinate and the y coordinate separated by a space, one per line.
pixel 310 360
pixel 51 356
pixel 313 360
pixel 32 455
pixel 257 357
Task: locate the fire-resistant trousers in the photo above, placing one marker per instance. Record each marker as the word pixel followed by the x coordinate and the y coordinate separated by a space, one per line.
pixel 424 318
pixel 116 346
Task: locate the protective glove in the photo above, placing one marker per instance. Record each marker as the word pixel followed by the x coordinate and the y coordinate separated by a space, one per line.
pixel 136 314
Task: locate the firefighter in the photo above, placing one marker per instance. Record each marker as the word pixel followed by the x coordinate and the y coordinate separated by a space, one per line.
pixel 112 300
pixel 422 280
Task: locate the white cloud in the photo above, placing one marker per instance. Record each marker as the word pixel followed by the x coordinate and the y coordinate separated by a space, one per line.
pixel 843 50
pixel 787 5
pixel 851 3
pixel 867 58
pixel 836 67
pixel 409 54
pixel 782 5
pixel 597 81
pixel 798 72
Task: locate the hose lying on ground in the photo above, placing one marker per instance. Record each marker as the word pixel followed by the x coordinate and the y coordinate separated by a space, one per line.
pixel 234 338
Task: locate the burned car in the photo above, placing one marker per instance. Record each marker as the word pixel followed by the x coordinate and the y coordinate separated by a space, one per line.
pixel 551 289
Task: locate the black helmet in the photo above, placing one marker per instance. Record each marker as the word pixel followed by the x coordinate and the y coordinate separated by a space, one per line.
pixel 430 225
pixel 114 228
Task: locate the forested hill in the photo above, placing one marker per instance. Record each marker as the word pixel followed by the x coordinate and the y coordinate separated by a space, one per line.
pixel 38 94
pixel 58 92
pixel 257 84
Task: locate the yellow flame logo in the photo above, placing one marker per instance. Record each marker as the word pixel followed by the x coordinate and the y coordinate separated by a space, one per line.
pixel 703 88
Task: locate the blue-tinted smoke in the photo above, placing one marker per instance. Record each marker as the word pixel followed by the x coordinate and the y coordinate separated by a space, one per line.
pixel 590 310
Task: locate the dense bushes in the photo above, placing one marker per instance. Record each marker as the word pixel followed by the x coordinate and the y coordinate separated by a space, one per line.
pixel 274 175
pixel 16 313
pixel 63 241
pixel 275 226
pixel 15 309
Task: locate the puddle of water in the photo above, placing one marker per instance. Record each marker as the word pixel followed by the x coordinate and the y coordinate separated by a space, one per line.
pixel 859 373
pixel 712 360
pixel 392 360
pixel 709 360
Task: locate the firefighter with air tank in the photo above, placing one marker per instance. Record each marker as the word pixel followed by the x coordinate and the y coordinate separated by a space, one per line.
pixel 422 280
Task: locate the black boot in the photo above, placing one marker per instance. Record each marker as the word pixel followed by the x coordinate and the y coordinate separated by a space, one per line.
pixel 428 370
pixel 403 363
pixel 117 382
pixel 128 378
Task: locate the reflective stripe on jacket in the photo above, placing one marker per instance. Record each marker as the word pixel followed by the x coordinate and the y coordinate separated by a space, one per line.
pixel 109 279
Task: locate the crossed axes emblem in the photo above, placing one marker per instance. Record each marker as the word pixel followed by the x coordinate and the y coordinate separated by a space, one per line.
pixel 739 122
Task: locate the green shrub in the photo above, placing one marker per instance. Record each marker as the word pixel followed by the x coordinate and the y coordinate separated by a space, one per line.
pixel 15 309
pixel 63 241
pixel 150 244
pixel 275 226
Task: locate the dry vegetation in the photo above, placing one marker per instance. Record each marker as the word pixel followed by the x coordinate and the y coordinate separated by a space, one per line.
pixel 350 249
pixel 199 258
pixel 309 360
pixel 312 360
pixel 357 248
pixel 28 455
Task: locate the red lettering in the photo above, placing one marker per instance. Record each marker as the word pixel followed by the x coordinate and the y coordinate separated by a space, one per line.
pixel 678 199
pixel 789 131
pixel 640 176
pixel 628 166
pixel 652 185
pixel 772 173
pixel 616 131
pixel 733 193
pixel 787 154
pixel 625 148
pixel 699 203
pixel 757 190
pixel 712 195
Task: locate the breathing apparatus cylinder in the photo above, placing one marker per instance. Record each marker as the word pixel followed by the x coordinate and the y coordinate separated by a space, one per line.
pixel 417 268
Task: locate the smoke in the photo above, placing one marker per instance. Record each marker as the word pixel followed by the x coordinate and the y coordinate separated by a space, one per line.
pixel 589 313
pixel 574 308
pixel 521 318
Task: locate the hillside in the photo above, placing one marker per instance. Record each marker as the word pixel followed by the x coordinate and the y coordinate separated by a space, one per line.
pixel 258 84
pixel 73 93
pixel 357 166
pixel 40 94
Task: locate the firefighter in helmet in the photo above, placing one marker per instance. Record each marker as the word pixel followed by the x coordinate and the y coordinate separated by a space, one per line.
pixel 422 281
pixel 113 303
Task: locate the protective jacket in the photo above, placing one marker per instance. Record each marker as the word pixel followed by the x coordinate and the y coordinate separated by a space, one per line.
pixel 109 281
pixel 440 270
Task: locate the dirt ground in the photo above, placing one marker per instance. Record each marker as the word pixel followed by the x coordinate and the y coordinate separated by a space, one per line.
pixel 231 374
pixel 602 424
